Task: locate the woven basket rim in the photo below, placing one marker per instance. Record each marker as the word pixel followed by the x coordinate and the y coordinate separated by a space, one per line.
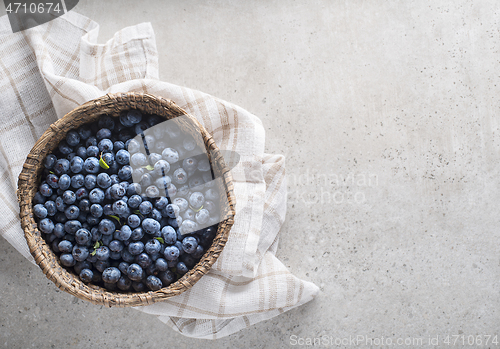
pixel 45 258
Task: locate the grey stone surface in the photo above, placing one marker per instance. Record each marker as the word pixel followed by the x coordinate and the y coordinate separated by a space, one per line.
pixel 388 114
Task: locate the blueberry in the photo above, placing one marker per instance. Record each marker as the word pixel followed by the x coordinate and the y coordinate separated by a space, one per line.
pixel 143 260
pixel 106 121
pixel 90 181
pixel 181 203
pixel 153 283
pixel 161 203
pixel 203 165
pixel 46 226
pixel 123 266
pixel 118 145
pixel 103 180
pixel 199 252
pixel 170 155
pixel 64 181
pixel 106 146
pixel 166 277
pixel 152 191
pixel 209 206
pixel 111 275
pixel 130 118
pixel 189 244
pixel 171 253
pixel 80 253
pixel 50 161
pixel 81 193
pixel 77 181
pixel 72 226
pixel 202 216
pixel 124 233
pixel 139 286
pixel 76 164
pixel 38 198
pixel 171 210
pixel 45 190
pixel 196 200
pixel 96 196
pixel 101 265
pixel 180 176
pixel 125 172
pixel 84 132
pixel 107 210
pixel 134 272
pixel 40 211
pixel 156 215
pixel 141 127
pixel 69 197
pixel 116 246
pixel 137 234
pixel 53 181
pixel 183 190
pixel 124 283
pixel 92 151
pixel 81 152
pixel 146 180
pixel 169 235
pixel 182 268
pixel 84 205
pixel 188 227
pixel 122 157
pixel 135 248
pixel 67 260
pixel 65 246
pixel 152 246
pixel 104 133
pixel 59 230
pixel 83 237
pixel 161 264
pixel 107 227
pixel 195 183
pixel 212 194
pixel 91 165
pixel 190 164
pixel 119 207
pixel 86 275
pixel 145 207
pixel 96 210
pixel 60 217
pixel 134 189
pixel 150 226
pixel 134 221
pixel 189 143
pixel 134 201
pixel 188 215
pixel 133 146
pixel 72 212
pixel 127 256
pixel 175 222
pixel 138 160
pixel 64 148
pixel 102 253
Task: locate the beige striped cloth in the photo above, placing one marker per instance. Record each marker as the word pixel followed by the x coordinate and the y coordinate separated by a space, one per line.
pixel 48 70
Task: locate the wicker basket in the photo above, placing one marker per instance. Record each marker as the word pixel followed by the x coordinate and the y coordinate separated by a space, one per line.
pixel 113 104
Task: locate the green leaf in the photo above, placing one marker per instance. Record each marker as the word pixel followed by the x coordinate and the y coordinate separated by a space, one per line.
pixel 137 212
pixel 93 253
pixel 160 240
pixel 103 163
pixel 115 217
pixel 51 172
pixel 149 167
pixel 96 245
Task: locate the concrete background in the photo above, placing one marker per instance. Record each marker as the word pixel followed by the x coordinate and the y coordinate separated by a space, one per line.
pixel 388 115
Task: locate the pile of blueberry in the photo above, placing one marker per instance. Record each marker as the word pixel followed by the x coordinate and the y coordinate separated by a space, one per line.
pixel 128 202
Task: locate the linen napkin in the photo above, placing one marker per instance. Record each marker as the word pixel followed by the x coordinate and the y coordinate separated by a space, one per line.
pixel 48 70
